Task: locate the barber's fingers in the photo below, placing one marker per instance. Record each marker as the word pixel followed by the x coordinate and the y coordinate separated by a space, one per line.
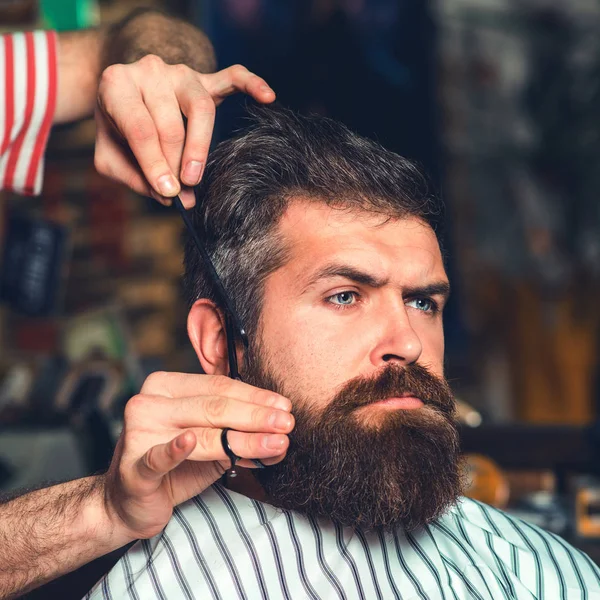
pixel 161 459
pixel 245 445
pixel 207 411
pixel 135 124
pixel 144 102
pixel 142 136
pixel 183 385
pixel 113 160
pixel 163 108
pixel 198 96
pixel 199 108
pixel 204 445
pixel 190 95
pixel 237 79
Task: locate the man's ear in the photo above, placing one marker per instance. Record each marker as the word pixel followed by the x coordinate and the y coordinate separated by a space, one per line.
pixel 206 330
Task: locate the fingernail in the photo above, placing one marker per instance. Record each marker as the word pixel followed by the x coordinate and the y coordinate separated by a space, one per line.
pixel 280 420
pixel 179 442
pixel 167 185
pixel 187 198
pixel 274 442
pixel 193 172
pixel 281 403
pixel 266 88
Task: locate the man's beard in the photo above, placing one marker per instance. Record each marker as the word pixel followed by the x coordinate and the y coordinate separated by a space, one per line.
pixel 379 468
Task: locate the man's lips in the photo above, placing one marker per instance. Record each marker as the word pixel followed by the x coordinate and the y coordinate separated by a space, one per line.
pixel 399 403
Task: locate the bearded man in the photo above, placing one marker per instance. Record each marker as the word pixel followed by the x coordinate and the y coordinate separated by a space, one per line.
pixel 329 248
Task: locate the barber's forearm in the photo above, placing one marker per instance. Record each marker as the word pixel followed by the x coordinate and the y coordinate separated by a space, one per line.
pixel 52 531
pixel 82 56
pixel 79 67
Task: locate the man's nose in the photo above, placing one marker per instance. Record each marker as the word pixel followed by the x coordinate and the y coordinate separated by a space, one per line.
pixel 398 341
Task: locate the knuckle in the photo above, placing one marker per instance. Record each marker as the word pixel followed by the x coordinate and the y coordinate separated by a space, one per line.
pixel 254 445
pixel 135 406
pixel 215 408
pixel 238 70
pixel 203 439
pixel 112 74
pixel 151 61
pixel 154 381
pixel 195 150
pixel 259 416
pixel 180 69
pixel 172 133
pixel 154 166
pixel 141 130
pixel 204 105
pixel 220 384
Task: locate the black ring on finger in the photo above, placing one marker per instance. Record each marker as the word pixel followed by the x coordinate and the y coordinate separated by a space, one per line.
pixel 233 457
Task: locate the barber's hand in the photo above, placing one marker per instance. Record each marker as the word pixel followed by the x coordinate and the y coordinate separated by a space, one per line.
pixel 141 139
pixel 170 448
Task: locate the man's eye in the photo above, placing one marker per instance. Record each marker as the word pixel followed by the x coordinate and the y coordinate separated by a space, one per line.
pixel 343 298
pixel 424 304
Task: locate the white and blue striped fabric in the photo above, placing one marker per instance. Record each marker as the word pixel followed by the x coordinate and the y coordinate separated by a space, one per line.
pixel 222 545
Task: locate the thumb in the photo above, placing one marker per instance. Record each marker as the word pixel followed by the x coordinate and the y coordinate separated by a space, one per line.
pixel 161 459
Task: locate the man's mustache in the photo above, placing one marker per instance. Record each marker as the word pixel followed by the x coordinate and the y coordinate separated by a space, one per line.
pixel 395 381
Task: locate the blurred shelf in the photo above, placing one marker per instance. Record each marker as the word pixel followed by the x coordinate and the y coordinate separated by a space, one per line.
pixel 524 446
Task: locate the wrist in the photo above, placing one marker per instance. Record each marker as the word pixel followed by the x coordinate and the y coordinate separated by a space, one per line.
pixel 106 526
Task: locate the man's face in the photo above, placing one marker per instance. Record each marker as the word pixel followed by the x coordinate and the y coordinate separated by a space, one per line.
pixel 352 299
pixel 351 332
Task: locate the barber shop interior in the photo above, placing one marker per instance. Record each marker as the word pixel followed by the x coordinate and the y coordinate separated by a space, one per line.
pixel 412 184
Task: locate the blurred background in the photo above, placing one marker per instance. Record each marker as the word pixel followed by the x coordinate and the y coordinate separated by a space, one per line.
pixel 499 101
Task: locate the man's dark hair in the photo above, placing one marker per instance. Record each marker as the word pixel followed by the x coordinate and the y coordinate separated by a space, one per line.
pixel 250 180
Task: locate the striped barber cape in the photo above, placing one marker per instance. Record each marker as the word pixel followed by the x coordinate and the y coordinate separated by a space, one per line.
pixel 221 544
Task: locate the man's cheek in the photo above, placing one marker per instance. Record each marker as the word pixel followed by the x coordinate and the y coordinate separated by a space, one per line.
pixel 433 355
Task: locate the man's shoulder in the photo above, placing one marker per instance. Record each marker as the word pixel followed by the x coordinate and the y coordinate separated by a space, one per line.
pixel 473 518
pixel 507 543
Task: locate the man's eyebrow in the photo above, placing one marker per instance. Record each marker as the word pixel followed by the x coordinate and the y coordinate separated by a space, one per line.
pixel 439 288
pixel 347 272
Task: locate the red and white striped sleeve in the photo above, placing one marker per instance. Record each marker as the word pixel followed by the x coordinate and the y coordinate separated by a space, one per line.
pixel 28 69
